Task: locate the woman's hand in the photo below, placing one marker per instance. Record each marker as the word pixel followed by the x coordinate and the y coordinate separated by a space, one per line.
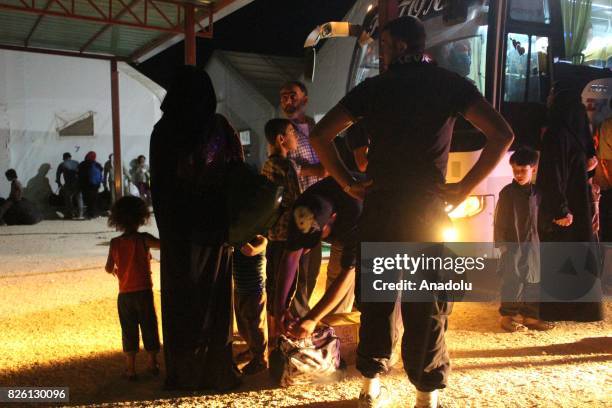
pixel 359 189
pixel 284 322
pixel 302 329
pixel 454 194
pixel 565 221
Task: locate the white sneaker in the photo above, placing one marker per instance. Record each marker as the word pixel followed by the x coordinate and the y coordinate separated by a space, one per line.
pixel 368 401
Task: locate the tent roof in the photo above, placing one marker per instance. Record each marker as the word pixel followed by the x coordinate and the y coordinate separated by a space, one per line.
pixel 123 29
pixel 267 73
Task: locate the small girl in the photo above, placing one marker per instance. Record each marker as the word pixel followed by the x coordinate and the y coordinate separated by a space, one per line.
pixel 130 260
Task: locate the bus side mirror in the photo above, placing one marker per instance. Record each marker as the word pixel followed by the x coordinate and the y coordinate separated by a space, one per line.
pixel 310 59
pixel 332 29
pixel 455 12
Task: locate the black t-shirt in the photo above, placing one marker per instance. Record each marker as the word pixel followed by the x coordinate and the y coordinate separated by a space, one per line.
pixel 409 113
pixel 344 229
pixel 357 136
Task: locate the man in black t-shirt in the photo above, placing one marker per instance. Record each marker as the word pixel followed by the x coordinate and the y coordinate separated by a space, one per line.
pixel 408 112
pixel 322 213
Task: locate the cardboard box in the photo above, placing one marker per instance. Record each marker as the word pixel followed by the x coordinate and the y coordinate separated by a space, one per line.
pixel 346 326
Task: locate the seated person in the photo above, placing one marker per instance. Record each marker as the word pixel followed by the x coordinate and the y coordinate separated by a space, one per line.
pixel 16 210
pixel 324 212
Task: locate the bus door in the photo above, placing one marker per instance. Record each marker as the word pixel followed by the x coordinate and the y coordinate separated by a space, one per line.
pixel 532 38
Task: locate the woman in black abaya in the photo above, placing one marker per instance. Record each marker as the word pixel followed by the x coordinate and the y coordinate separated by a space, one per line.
pixel 191 149
pixel 566 212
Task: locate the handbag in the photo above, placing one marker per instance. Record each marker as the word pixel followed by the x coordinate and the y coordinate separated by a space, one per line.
pixel 314 359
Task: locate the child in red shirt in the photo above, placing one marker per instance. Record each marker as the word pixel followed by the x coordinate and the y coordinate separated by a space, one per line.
pixel 130 260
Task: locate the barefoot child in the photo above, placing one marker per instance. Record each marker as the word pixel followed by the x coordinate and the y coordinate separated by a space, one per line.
pixel 130 260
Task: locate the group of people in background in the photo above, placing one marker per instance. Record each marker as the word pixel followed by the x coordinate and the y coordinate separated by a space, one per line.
pixel 79 184
pixel 79 190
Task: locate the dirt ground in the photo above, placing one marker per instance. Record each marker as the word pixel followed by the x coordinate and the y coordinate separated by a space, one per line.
pixel 59 327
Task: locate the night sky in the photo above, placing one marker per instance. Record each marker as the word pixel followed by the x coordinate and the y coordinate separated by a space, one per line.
pixel 272 27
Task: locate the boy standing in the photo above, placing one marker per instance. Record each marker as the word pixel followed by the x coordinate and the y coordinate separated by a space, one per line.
pixel 282 138
pixel 516 234
pixel 250 304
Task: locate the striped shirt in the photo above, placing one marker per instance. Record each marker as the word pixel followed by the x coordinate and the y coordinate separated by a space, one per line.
pixel 249 272
pixel 304 154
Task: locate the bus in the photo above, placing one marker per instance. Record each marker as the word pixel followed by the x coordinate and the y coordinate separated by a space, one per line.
pixel 512 50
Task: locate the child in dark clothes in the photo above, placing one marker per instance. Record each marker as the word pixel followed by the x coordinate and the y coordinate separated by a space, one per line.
pixel 281 170
pixel 516 235
pixel 130 260
pixel 250 305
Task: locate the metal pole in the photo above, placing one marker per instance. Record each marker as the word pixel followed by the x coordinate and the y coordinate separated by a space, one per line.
pixel 387 11
pixel 117 167
pixel 190 37
pixel 499 54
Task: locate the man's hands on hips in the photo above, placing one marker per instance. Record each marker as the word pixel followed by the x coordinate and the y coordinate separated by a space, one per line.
pixel 454 193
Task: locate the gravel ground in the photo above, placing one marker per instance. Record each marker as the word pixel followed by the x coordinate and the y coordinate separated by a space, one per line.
pixel 60 328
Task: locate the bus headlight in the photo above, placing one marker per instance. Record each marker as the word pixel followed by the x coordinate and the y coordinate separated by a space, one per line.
pixel 450 234
pixel 468 208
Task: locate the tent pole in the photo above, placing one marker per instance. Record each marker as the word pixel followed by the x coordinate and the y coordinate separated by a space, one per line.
pixel 190 37
pixel 117 166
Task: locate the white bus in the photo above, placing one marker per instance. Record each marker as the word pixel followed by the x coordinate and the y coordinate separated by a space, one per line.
pixel 512 50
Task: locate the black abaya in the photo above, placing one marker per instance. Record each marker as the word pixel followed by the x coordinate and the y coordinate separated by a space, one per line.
pixel 190 148
pixel 562 183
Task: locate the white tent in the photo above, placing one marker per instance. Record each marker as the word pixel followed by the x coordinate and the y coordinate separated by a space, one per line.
pixel 41 94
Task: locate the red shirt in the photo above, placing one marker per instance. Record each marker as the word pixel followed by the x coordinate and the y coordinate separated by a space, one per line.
pixel 132 261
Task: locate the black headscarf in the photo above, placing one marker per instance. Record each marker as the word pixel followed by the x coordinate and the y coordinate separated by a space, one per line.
pixel 567 112
pixel 190 106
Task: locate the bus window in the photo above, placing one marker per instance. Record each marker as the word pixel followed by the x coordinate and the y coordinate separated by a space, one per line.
pixel 366 65
pixel 587 27
pixel 532 11
pixel 465 56
pixel 526 70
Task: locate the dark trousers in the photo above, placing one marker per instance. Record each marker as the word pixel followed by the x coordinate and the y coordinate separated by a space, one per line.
pixel 136 309
pixel 251 319
pixel 274 253
pixel 424 352
pixel 197 318
pixel 70 194
pixel 520 290
pixel 4 207
pixel 393 217
pixel 310 265
pixel 90 196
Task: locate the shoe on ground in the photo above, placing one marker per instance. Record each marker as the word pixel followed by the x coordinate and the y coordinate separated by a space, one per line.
pixel 368 401
pixel 254 366
pixel 537 324
pixel 509 324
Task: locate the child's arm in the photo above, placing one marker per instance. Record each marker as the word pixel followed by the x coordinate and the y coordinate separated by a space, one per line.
pixel 503 220
pixel 151 241
pixel 110 262
pixel 255 247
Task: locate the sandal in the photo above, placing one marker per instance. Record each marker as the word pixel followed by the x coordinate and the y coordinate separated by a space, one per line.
pixel 537 324
pixel 511 325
